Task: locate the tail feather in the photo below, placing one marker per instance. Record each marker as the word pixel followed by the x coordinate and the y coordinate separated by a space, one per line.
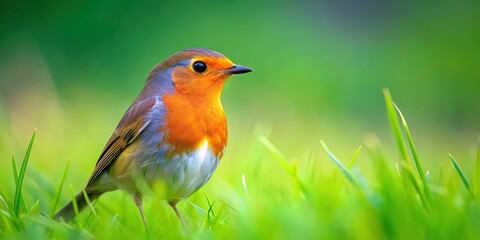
pixel 67 213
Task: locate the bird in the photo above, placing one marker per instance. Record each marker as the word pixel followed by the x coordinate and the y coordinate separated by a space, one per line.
pixel 174 132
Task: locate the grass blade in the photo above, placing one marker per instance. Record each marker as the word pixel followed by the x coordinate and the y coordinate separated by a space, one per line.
pixel 15 176
pixel 34 208
pixel 416 185
pixel 291 168
pixel 278 155
pixel 219 214
pixel 339 164
pixel 477 167
pixel 354 158
pixel 460 173
pixel 421 173
pixel 352 161
pixel 197 208
pixel 74 201
pixel 244 184
pixel 397 132
pixel 210 211
pixel 59 189
pixel 15 172
pixel 21 176
pixel 90 204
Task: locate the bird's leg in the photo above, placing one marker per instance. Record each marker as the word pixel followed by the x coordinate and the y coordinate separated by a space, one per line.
pixel 173 204
pixel 137 198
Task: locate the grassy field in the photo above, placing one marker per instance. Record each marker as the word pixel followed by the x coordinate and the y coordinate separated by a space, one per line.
pixel 257 192
pixel 312 153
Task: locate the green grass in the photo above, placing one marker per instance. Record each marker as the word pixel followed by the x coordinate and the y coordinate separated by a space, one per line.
pixel 271 196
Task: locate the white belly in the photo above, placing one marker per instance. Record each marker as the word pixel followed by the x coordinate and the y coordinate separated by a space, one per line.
pixel 182 174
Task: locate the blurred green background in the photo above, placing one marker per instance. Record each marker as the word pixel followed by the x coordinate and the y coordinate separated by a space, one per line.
pixel 72 69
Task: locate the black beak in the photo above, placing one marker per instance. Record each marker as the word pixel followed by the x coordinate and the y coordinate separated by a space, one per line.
pixel 237 69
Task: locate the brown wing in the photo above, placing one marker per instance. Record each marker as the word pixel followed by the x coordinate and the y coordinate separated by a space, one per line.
pixel 131 125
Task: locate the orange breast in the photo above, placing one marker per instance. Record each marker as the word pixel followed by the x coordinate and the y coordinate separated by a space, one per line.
pixel 192 119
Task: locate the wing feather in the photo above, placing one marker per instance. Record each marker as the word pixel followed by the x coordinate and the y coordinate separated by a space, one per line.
pixel 131 125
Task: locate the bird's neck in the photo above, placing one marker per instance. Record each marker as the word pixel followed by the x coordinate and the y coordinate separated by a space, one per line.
pixel 192 119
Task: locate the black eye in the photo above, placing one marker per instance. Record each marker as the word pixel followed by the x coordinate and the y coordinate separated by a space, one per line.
pixel 199 66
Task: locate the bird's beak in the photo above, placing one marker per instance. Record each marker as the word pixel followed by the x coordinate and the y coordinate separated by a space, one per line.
pixel 237 69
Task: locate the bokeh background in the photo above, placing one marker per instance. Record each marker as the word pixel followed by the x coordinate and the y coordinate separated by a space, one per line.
pixel 72 69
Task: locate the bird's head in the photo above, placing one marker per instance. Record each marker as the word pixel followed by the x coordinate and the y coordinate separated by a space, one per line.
pixel 197 71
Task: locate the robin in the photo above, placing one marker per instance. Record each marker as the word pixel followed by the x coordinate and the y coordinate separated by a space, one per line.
pixel 174 132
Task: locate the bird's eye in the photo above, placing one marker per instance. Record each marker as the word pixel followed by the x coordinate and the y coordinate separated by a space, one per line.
pixel 199 66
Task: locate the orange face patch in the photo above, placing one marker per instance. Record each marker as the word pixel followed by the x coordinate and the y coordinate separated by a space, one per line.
pixel 208 83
